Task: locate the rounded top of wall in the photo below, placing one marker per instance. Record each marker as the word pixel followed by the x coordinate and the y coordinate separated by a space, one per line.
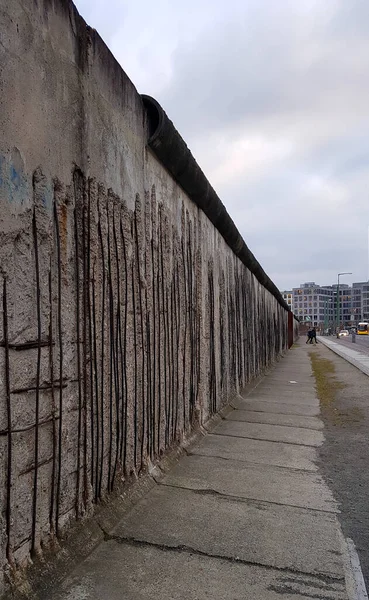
pixel 172 151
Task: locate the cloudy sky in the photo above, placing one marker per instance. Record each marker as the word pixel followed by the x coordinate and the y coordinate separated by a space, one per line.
pixel 272 97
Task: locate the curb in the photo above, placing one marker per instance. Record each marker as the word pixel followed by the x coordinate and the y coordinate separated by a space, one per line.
pixel 358 360
pixel 355 584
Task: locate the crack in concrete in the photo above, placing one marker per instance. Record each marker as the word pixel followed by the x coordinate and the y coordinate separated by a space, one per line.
pixel 288 589
pixel 251 462
pixel 251 501
pixel 277 424
pixel 277 404
pixel 247 437
pixel 132 541
pixel 329 587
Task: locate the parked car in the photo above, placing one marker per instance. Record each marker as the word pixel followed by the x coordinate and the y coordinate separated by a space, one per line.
pixel 344 333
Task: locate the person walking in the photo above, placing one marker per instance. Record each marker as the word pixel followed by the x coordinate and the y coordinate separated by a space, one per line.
pixel 313 336
pixel 309 336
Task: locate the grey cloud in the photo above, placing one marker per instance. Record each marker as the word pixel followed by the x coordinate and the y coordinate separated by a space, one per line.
pixel 271 65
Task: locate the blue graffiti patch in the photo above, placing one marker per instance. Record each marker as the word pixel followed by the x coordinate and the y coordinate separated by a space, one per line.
pixel 13 182
pixel 15 178
pixel 2 164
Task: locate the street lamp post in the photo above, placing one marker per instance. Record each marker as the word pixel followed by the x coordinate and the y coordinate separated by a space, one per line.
pixel 327 312
pixel 338 300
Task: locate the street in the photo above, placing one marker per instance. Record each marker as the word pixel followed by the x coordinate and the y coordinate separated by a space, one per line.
pixel 344 457
pixel 361 343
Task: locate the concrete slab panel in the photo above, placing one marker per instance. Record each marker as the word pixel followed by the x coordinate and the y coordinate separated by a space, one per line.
pixel 116 571
pixel 257 482
pixel 276 407
pixel 289 366
pixel 294 372
pixel 275 419
pixel 281 378
pixel 283 388
pixel 278 536
pixel 258 451
pixel 273 433
pixel 285 398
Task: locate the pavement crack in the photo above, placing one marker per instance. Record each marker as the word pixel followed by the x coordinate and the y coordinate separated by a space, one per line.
pixel 253 463
pixel 309 582
pixel 184 548
pixel 316 428
pixel 106 535
pixel 250 501
pixel 288 589
pixel 248 437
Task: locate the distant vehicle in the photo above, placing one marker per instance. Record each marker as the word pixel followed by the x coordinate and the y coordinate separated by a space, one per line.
pixel 343 333
pixel 362 328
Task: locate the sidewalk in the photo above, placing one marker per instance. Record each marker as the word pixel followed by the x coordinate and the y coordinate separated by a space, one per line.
pixel 244 515
pixel 355 357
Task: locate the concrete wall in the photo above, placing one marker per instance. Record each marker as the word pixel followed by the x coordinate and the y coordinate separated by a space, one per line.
pixel 125 317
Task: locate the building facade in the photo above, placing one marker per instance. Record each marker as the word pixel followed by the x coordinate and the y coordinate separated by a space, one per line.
pixel 288 298
pixel 317 305
pixel 360 301
pixel 314 304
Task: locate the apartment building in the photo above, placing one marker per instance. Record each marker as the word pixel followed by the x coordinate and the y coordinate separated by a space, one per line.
pixel 314 303
pixel 318 304
pixel 288 298
pixel 360 301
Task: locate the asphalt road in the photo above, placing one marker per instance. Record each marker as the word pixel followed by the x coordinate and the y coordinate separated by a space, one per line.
pixel 344 457
pixel 361 343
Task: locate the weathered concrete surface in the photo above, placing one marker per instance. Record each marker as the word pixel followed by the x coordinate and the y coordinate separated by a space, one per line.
pixel 273 433
pixel 258 482
pixel 289 385
pixel 280 407
pixel 275 419
pixel 258 451
pixel 221 525
pixel 286 378
pixel 277 396
pixel 168 575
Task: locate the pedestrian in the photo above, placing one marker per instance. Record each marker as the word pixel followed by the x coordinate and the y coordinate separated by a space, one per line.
pixel 313 336
pixel 309 336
